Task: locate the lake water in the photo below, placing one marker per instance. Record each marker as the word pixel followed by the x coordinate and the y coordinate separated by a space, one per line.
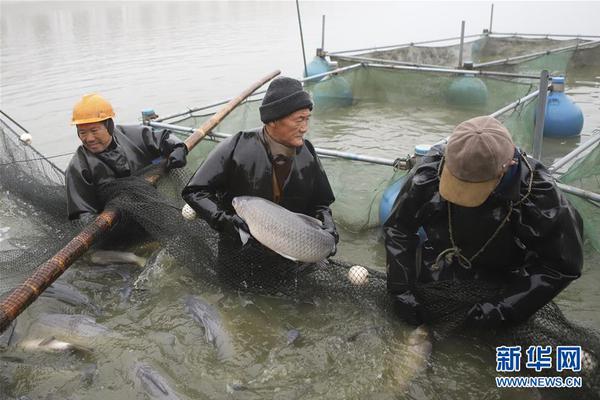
pixel 171 56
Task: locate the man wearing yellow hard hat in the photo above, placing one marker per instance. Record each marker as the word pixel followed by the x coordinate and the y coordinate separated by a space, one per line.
pixel 479 209
pixel 109 152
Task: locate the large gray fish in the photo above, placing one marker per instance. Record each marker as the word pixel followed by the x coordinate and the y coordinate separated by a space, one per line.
pixel 153 383
pixel 109 257
pixel 77 329
pixel 52 344
pixel 414 359
pixel 69 294
pixel 208 316
pixel 297 237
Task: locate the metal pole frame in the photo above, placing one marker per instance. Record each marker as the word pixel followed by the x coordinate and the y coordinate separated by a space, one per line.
pixel 399 46
pixel 462 43
pixel 392 65
pixel 191 111
pixel 323 34
pixel 301 38
pixel 558 164
pixel 491 18
pixel 533 55
pixel 538 130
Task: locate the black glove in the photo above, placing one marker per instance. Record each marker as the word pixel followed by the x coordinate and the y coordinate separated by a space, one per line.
pixel 177 157
pixel 232 224
pixel 329 227
pixel 486 315
pixel 406 306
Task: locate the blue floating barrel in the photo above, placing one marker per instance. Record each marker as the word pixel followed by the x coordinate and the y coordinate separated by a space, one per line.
pixel 389 197
pixel 333 91
pixel 467 90
pixel 563 117
pixel 318 65
pixel 391 193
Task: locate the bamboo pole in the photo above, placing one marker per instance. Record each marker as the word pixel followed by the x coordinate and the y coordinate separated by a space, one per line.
pixel 44 275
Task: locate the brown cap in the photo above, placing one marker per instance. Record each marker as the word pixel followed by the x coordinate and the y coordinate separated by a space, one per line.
pixel 477 154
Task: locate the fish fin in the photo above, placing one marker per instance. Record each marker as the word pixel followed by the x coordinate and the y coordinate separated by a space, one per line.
pixel 141 262
pixel 244 236
pixel 47 341
pixel 288 257
pixel 310 220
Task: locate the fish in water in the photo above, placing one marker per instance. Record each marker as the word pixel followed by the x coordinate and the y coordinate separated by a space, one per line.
pixel 69 294
pixel 297 237
pixel 109 257
pixel 78 329
pixel 414 359
pixel 7 335
pixel 51 344
pixel 153 383
pixel 208 316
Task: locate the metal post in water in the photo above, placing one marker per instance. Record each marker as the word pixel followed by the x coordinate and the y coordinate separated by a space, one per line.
pixel 462 43
pixel 538 130
pixel 323 34
pixel 491 17
pixel 301 38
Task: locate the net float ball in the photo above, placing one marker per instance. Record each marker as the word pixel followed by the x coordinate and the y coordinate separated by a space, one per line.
pixel 26 138
pixel 188 212
pixel 358 275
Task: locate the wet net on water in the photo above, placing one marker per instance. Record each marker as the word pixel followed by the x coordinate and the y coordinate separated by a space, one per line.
pixel 40 186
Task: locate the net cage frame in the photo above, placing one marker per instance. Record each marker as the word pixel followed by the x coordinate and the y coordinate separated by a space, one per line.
pixel 583 41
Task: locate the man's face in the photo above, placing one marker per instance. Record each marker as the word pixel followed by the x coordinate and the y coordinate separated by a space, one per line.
pixel 94 136
pixel 290 130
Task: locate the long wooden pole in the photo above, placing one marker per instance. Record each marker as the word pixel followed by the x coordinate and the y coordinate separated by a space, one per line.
pixel 44 275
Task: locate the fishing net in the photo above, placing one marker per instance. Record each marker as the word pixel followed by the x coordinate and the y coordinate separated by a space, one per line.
pixel 535 54
pixel 585 174
pixel 216 262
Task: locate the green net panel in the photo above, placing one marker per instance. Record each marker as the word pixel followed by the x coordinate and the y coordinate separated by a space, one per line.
pixel 585 174
pixel 491 48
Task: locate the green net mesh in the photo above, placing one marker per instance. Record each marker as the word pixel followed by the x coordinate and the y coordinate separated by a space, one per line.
pixel 532 53
pixel 585 174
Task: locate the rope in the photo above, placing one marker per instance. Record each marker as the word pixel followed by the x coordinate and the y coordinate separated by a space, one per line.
pixel 455 252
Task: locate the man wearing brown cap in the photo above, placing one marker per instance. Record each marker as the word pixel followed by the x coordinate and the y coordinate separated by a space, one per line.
pixel 489 212
pixel 274 162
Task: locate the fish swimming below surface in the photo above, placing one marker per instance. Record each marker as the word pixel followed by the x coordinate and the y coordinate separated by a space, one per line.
pixel 108 257
pixel 77 329
pixel 294 236
pixel 414 359
pixel 208 316
pixel 152 383
pixel 51 344
pixel 70 295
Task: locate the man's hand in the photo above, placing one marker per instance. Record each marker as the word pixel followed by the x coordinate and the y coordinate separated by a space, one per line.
pixel 177 158
pixel 485 316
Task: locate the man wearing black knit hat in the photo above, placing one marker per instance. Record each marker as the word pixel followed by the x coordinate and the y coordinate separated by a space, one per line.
pixel 274 162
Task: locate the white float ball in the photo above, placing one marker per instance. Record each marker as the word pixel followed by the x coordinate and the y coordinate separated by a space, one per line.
pixel 358 275
pixel 26 138
pixel 188 212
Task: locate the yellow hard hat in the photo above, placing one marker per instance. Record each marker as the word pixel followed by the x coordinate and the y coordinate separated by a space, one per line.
pixel 91 108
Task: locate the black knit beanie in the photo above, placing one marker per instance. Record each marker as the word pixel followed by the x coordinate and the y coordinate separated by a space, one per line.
pixel 284 96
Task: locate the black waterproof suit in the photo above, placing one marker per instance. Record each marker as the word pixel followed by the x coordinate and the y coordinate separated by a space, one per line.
pixel 534 256
pixel 132 148
pixel 241 166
